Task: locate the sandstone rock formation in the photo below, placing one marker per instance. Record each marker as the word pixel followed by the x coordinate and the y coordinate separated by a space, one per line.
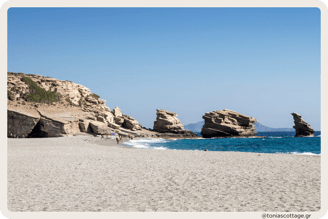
pixel 131 123
pixel 21 123
pixel 226 123
pixel 75 110
pixel 125 121
pixel 99 127
pixel 117 112
pixel 166 122
pixel 301 127
pixel 70 92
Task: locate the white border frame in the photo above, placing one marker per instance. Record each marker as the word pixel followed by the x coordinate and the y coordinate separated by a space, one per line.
pixel 160 3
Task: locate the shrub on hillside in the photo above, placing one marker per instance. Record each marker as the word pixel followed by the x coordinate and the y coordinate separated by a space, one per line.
pixel 95 96
pixel 38 94
pixel 10 95
pixel 70 102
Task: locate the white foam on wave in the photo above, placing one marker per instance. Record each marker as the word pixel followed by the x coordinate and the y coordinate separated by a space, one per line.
pixel 160 148
pixel 305 153
pixel 298 153
pixel 144 143
pixel 274 137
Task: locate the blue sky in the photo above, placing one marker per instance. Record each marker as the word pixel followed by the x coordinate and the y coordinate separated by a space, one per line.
pixel 261 62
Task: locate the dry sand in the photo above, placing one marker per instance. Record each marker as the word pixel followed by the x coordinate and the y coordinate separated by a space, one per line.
pixel 71 174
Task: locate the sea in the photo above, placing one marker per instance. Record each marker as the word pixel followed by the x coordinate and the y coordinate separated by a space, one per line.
pixel 272 142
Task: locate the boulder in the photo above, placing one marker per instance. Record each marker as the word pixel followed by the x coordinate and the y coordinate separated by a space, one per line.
pixel 227 123
pixel 131 123
pixel 85 126
pixel 113 125
pixel 58 124
pixel 109 117
pixel 101 119
pixel 20 124
pixel 99 127
pixel 301 127
pixel 91 117
pixel 129 132
pixel 119 120
pixel 117 112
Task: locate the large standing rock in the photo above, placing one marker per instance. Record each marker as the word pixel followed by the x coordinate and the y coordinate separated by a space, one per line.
pixel 166 122
pixel 117 112
pixel 225 123
pixel 301 127
pixel 20 124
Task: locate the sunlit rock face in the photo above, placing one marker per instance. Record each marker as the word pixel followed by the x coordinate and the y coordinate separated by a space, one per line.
pixel 225 123
pixel 301 127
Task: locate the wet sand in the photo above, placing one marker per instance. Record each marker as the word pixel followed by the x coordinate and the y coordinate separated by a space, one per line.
pixel 84 173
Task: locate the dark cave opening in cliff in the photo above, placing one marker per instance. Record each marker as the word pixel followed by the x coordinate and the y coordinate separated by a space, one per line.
pixel 37 133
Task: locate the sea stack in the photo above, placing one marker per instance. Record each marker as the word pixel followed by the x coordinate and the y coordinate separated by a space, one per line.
pixel 301 127
pixel 227 123
pixel 167 122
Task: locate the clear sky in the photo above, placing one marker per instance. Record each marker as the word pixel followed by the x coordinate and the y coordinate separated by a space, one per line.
pixel 261 62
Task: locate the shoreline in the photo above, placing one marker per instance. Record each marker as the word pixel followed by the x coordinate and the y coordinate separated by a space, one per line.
pixel 96 140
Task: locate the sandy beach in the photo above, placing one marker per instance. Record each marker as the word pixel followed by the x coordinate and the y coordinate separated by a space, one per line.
pixel 84 173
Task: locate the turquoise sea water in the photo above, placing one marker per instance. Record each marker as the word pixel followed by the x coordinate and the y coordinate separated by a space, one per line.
pixel 273 142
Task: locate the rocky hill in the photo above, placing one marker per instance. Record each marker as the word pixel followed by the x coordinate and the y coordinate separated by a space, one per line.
pixel 41 106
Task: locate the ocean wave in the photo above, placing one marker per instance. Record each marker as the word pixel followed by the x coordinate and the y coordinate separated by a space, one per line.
pixel 299 153
pixel 160 148
pixel 305 153
pixel 144 143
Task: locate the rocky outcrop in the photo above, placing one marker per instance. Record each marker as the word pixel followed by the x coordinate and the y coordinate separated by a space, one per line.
pixel 125 121
pixel 131 123
pixel 227 123
pixel 119 120
pixel 20 124
pixel 58 124
pixel 70 93
pixel 301 127
pixel 85 125
pixel 74 110
pixel 167 122
pixel 117 112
